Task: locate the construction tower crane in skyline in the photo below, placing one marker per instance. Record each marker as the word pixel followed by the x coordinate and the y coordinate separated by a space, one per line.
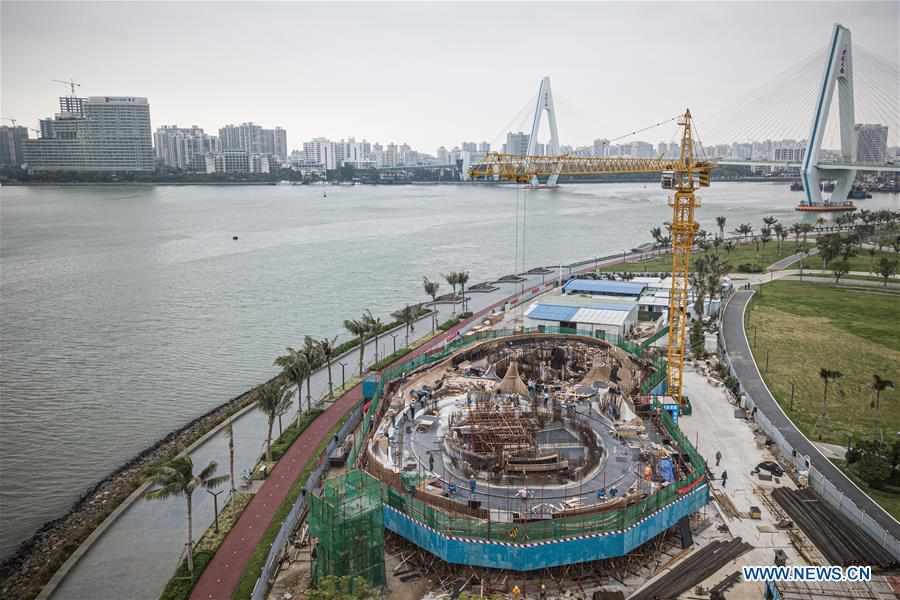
pixel 683 175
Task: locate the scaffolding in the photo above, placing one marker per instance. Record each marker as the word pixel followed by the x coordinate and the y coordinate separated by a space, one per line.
pixel 348 521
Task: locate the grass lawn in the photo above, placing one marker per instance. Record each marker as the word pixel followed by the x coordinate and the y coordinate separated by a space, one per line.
pixel 806 326
pixel 861 262
pixel 745 253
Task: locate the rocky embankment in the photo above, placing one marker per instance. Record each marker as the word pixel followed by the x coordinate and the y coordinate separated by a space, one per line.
pixel 23 574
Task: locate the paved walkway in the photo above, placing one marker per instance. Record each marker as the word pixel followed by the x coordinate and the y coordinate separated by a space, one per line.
pixel 738 350
pixel 223 574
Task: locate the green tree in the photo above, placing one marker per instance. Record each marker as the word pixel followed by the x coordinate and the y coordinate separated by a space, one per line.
pixel 274 400
pixel 744 229
pixel 312 354
pixel 296 369
pixel 374 326
pixel 431 288
pixel 828 375
pixel 878 386
pixel 327 348
pixel 462 277
pixel 829 248
pixel 873 468
pixel 452 280
pixel 720 222
pixel 698 339
pixel 177 478
pixel 887 268
pixel 408 315
pixel 358 328
pixel 839 268
pixel 780 234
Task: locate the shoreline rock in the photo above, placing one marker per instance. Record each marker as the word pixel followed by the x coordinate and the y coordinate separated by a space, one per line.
pixel 27 570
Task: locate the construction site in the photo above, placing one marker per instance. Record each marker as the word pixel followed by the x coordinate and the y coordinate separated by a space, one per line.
pixel 537 463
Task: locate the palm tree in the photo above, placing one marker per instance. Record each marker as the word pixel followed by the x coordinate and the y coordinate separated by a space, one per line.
pixel 729 246
pixel 656 233
pixel 431 288
pixel 452 279
pixel 698 283
pixel 828 375
pixel 327 349
pixel 296 370
pixel 805 229
pixel 765 235
pixel 408 316
pixel 177 478
pixel 373 325
pixel 273 401
pixel 780 234
pixel 229 428
pixel 313 356
pixel 462 278
pixel 720 221
pixel 879 385
pixel 358 329
pixel 744 229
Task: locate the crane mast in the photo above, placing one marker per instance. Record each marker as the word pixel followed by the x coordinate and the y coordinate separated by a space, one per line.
pixel 683 174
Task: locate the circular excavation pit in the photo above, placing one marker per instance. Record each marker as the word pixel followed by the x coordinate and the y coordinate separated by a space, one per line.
pixel 523 428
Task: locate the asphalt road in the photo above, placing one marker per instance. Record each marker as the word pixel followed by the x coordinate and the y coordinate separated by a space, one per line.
pixel 738 350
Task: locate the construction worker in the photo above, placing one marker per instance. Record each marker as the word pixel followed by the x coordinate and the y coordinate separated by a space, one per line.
pixel 724 478
pixel 718 457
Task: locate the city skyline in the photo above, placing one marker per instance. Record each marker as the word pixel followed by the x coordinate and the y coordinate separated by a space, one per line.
pixel 352 89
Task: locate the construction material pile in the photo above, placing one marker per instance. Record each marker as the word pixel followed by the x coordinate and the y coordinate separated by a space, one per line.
pixel 700 566
pixel 840 540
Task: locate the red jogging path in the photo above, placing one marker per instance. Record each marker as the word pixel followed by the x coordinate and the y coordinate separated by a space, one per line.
pixel 221 576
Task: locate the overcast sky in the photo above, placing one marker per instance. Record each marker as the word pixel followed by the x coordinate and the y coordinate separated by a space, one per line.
pixel 426 74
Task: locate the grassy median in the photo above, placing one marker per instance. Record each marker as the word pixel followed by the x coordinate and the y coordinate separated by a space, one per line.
pixel 744 254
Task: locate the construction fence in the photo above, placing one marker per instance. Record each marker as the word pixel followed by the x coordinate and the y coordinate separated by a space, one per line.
pixel 649 516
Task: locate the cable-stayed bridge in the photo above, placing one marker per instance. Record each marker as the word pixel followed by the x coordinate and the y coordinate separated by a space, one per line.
pixel 815 164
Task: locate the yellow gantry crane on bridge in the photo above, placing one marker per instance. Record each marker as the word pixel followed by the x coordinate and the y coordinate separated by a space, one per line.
pixel 683 175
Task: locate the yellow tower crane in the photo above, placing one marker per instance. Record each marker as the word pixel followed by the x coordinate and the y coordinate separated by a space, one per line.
pixel 684 175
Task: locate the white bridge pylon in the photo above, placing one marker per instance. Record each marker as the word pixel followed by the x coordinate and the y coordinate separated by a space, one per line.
pixel 545 104
pixel 838 73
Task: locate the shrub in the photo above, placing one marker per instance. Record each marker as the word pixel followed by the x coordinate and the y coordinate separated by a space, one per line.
pixel 180 586
pixel 448 324
pixel 749 268
pixel 292 432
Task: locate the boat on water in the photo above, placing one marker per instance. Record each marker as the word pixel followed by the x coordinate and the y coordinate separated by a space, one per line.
pixel 827 206
pixel 796 187
pixel 858 194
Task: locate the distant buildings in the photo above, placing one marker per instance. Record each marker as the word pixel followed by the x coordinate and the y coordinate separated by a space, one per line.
pixel 12 145
pixel 184 148
pixel 100 133
pixel 871 143
pixel 516 143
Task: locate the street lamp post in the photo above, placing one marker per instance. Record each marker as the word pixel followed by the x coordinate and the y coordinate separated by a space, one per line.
pixel 394 337
pixel 215 496
pixel 343 376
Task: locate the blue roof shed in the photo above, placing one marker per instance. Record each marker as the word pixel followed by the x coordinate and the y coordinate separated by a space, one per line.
pixel 604 287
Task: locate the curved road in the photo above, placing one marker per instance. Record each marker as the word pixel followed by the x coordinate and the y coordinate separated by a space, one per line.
pixel 738 350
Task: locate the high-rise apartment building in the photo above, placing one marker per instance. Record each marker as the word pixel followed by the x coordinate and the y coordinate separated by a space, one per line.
pixel 274 143
pixel 516 143
pixel 109 133
pixel 321 152
pixel 871 143
pixel 246 137
pixel 184 148
pixel 484 147
pixel 12 145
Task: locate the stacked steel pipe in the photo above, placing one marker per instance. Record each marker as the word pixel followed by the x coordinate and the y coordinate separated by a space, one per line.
pixel 841 541
pixel 700 566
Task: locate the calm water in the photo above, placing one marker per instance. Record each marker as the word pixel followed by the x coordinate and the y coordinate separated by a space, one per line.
pixel 127 311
